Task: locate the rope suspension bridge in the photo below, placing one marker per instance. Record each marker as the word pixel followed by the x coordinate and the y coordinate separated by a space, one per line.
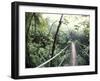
pixel 56 55
pixel 52 58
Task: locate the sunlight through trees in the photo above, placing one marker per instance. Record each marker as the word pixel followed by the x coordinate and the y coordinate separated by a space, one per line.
pixel 54 40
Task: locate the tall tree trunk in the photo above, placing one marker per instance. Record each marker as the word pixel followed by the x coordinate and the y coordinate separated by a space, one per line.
pixel 27 60
pixel 53 47
pixel 35 21
pixel 73 54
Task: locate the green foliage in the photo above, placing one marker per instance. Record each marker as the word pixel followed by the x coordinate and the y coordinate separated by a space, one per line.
pixel 40 32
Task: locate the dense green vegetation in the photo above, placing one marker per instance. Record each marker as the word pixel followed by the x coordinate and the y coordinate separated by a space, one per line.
pixel 50 34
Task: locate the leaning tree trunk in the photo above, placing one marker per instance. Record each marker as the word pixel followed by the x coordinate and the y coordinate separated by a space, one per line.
pixel 53 47
pixel 73 54
pixel 35 22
